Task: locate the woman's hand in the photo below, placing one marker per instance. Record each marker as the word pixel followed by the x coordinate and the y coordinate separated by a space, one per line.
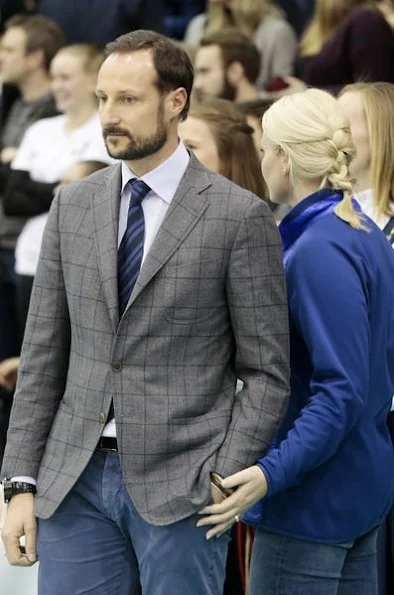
pixel 251 487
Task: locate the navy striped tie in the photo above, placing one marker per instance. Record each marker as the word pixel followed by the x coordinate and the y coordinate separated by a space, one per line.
pixel 131 248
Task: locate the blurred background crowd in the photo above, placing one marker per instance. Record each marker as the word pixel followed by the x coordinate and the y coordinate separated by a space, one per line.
pixel 246 54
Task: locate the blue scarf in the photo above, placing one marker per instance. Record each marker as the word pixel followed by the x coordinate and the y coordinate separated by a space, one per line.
pixel 304 214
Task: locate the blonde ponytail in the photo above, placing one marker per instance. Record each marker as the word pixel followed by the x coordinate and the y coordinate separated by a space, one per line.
pixel 311 129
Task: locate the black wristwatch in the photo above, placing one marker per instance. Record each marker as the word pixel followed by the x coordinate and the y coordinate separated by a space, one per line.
pixel 12 488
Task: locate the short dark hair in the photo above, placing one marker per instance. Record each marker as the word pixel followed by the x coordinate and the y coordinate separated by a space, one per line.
pixel 236 47
pixel 41 34
pixel 173 66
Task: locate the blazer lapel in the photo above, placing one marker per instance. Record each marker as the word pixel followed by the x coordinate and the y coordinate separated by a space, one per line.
pixel 105 208
pixel 185 210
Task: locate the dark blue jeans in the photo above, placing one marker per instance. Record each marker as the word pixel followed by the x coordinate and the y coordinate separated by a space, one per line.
pixel 286 566
pixel 97 543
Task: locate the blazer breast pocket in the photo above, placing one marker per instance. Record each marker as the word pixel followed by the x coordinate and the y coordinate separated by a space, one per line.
pixel 193 290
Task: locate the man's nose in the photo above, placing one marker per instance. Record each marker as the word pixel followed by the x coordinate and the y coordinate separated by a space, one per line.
pixel 108 115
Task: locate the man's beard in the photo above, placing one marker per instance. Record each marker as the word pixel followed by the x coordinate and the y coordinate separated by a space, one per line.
pixel 228 91
pixel 138 147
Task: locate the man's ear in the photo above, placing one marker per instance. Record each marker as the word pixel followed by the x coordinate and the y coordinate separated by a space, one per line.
pixel 36 58
pixel 175 102
pixel 235 73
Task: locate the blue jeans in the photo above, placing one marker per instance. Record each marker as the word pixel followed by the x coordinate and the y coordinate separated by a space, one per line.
pixel 97 543
pixel 286 566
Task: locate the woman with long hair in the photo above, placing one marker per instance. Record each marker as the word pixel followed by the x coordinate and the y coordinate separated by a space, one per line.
pixel 221 138
pixel 320 493
pixel 370 110
pixel 262 20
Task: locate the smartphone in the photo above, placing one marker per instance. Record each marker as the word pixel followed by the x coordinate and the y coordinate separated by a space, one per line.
pixel 216 483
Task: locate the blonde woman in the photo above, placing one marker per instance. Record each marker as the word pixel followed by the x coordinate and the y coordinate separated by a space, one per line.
pixel 326 483
pixel 260 19
pixel 370 110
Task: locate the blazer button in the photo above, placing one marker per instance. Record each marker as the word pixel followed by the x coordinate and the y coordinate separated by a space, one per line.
pixel 116 366
pixel 102 418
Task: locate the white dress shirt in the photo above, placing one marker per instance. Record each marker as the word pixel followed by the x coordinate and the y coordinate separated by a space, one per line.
pixel 163 181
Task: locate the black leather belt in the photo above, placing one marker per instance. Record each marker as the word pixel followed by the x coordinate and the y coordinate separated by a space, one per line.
pixel 107 444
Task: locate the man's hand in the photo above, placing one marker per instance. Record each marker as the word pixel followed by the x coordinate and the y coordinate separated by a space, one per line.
pixel 9 372
pixel 251 487
pixel 20 521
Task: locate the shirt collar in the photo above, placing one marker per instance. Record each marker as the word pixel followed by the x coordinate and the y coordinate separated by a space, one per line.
pixel 164 179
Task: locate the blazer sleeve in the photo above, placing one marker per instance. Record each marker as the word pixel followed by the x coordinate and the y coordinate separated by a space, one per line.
pixel 24 197
pixel 44 360
pixel 329 309
pixel 257 303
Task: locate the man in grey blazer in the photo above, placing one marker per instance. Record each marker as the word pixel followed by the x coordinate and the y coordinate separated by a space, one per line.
pixel 159 283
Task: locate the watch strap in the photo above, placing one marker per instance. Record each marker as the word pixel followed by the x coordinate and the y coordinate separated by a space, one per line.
pixel 12 488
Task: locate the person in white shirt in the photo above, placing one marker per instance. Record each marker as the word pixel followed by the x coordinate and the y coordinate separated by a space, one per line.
pixel 370 110
pixel 49 148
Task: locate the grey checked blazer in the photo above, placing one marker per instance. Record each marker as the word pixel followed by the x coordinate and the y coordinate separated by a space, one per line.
pixel 209 306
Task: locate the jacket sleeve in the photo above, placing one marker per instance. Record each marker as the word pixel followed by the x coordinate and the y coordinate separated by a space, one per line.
pixel 44 360
pixel 372 48
pixel 257 303
pixel 328 307
pixel 24 197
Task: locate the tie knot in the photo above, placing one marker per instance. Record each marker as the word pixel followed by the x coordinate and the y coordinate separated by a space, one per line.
pixel 138 191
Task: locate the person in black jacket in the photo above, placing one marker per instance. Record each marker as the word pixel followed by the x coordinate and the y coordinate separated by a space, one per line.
pixel 27 48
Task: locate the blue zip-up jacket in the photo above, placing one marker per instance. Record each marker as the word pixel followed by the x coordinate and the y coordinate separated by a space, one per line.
pixel 330 472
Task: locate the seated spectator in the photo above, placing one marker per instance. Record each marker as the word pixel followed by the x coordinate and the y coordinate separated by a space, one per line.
pixel 27 47
pixel 49 148
pixel 220 137
pixel 227 65
pixel 260 20
pixel 347 41
pixel 9 367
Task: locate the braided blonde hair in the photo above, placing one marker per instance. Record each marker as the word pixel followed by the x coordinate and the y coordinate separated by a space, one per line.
pixel 310 128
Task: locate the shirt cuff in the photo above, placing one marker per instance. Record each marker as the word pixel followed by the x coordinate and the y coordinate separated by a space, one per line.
pixel 25 479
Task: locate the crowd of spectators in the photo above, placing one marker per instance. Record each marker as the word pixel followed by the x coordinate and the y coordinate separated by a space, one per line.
pixel 246 54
